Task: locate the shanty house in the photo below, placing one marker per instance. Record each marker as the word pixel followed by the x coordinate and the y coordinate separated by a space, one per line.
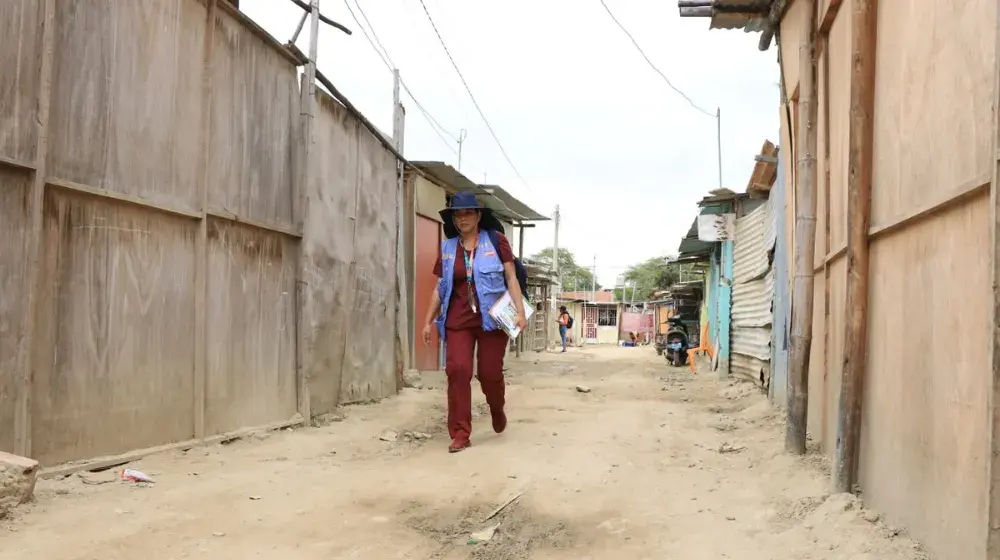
pixel 889 121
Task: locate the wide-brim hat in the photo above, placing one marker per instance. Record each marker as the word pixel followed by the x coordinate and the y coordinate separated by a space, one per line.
pixel 467 201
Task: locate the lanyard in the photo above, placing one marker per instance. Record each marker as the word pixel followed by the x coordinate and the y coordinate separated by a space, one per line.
pixel 470 259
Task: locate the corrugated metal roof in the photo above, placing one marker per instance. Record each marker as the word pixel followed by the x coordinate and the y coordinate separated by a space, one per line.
pixel 505 206
pixel 748 23
pixel 450 178
pixel 511 206
pixel 748 15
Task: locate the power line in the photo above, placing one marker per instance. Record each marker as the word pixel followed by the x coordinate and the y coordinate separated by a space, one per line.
pixel 392 66
pixel 653 66
pixel 430 118
pixel 383 53
pixel 372 27
pixel 435 125
pixel 471 96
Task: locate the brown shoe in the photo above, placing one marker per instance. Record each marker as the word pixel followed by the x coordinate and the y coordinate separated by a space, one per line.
pixel 499 422
pixel 458 445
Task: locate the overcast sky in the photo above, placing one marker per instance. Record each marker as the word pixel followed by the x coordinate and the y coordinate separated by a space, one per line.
pixel 589 125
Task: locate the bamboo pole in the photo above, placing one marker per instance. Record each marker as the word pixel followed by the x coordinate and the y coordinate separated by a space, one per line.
pixel 864 18
pixel 805 240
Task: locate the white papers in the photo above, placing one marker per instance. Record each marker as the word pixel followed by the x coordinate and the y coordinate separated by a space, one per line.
pixel 504 312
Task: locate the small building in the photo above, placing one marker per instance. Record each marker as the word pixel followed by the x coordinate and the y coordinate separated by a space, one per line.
pixel 596 316
pixel 710 240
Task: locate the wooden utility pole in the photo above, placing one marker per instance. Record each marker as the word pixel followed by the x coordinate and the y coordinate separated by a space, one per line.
pixel 520 255
pixel 805 240
pixel 864 18
pixel 307 103
pixel 402 306
pixel 993 396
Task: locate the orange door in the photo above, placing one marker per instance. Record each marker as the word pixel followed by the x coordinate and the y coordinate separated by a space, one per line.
pixel 428 242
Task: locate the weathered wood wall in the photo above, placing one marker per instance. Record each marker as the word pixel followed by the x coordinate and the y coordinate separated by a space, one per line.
pixel 151 270
pixel 349 241
pixel 925 442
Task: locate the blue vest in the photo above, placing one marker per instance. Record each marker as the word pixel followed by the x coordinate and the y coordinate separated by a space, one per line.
pixel 487 272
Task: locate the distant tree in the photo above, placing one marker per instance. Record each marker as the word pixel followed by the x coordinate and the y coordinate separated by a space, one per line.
pixel 574 277
pixel 652 275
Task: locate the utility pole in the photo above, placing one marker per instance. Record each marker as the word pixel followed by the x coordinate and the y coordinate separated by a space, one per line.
pixel 555 257
pixel 718 140
pixel 555 270
pixel 593 281
pixel 307 116
pixel 461 138
pixel 403 339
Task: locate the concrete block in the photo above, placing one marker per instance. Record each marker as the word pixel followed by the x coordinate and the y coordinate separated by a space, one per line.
pixel 17 481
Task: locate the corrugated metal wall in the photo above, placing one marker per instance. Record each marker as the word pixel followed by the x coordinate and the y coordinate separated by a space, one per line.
pixel 753 286
pixel 781 306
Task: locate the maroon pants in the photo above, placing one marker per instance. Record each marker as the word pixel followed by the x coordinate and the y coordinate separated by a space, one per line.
pixel 460 348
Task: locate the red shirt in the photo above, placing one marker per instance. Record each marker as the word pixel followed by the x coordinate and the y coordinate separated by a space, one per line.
pixel 460 314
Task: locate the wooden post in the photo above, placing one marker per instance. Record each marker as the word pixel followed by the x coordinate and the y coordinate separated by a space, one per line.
pixel 201 244
pixel 805 241
pixel 402 307
pixel 25 365
pixel 864 18
pixel 307 116
pixel 993 396
pixel 520 255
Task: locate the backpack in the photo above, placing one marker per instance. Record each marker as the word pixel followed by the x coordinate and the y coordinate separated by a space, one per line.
pixel 569 321
pixel 519 271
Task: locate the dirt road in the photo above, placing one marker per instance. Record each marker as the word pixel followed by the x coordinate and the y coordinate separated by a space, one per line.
pixel 651 463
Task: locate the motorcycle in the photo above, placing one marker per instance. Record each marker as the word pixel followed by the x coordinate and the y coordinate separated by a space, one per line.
pixel 676 346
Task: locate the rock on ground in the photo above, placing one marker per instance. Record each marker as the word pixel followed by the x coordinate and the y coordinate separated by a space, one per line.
pixel 411 379
pixel 17 481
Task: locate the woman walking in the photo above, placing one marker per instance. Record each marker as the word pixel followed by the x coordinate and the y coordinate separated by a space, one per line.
pixel 473 274
pixel 563 325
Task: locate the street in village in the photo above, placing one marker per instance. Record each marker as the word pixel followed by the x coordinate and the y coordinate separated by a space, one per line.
pixel 610 454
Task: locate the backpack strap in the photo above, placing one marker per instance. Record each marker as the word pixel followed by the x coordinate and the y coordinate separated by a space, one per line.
pixel 494 239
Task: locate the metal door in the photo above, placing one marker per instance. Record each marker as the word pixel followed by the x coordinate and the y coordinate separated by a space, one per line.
pixel 590 324
pixel 428 240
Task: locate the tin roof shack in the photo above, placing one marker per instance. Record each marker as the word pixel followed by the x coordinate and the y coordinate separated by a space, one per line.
pixel 710 240
pixel 540 282
pixel 921 137
pixel 428 185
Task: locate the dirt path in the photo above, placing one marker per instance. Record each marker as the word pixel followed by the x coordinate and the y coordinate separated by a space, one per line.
pixel 652 463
